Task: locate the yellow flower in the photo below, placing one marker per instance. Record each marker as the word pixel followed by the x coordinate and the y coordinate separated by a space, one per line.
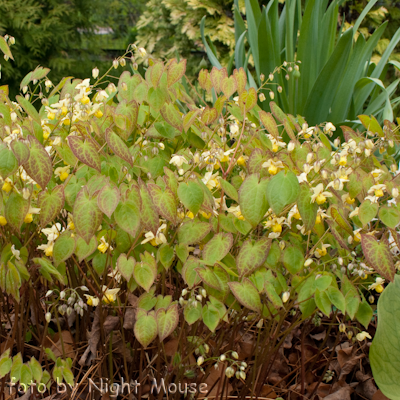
pixel 51 115
pixel 3 221
pixel 379 289
pixel 103 246
pixel 322 251
pixel 92 300
pixel 273 166
pixel 236 212
pixel 64 110
pixel 46 135
pixel 320 199
pixel 205 215
pixel 62 172
pixel 319 195
pixel 110 295
pixel 157 239
pixel 49 250
pixel 98 114
pixel 277 228
pixel 377 190
pixel 7 186
pixel 28 218
pixel 378 285
pixel 343 161
pixel 357 237
pixel 318 220
pixel 190 214
pixel 85 100
pixel 66 121
pixel 224 157
pixel 241 161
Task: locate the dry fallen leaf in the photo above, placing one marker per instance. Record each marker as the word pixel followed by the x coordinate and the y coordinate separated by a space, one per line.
pixel 367 386
pixel 94 336
pixel 68 342
pixel 342 394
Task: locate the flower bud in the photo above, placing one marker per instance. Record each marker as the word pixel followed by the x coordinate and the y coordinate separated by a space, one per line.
pixel 271 76
pixel 199 298
pixel 48 293
pixel 222 357
pixel 349 334
pixel 115 64
pixel 122 62
pixel 95 72
pixel 242 375
pixel 184 292
pixel 371 299
pixel 229 372
pixel 279 89
pixel 308 262
pixel 271 95
pixel 235 355
pixel 340 261
pixel 47 317
pixel 262 77
pixel 285 296
pixel 342 327
pixel 204 293
pixel 142 52
pixel 200 360
pixel 261 97
pixel 369 144
pixel 291 146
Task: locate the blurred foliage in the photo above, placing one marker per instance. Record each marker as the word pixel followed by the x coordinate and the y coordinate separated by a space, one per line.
pixel 384 10
pixel 171 27
pixel 67 36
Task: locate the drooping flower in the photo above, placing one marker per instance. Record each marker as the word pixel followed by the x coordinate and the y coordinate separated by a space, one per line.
pixel 319 195
pixel 15 252
pixel 378 285
pixel 273 166
pixel 103 246
pixel 362 336
pixel 92 300
pixel 62 172
pixel 110 295
pixel 178 160
pixel 158 238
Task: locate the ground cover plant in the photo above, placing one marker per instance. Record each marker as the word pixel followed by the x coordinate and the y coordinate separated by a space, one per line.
pixel 148 235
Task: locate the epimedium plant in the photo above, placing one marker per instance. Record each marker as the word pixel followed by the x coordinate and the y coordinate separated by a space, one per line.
pixel 163 216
